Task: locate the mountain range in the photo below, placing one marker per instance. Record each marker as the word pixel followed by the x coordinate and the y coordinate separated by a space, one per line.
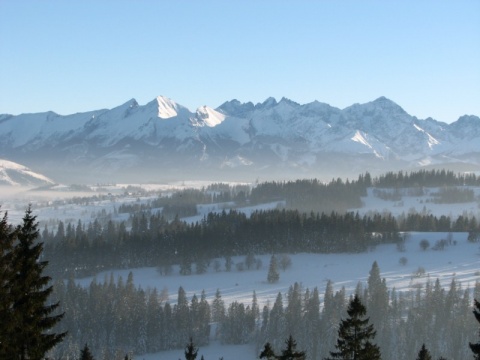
pixel 163 140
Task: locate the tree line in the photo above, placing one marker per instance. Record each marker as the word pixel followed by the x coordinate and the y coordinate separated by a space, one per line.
pixel 307 195
pixel 153 241
pixel 116 317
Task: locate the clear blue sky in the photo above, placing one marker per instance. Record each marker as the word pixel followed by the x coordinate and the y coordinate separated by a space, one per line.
pixel 73 56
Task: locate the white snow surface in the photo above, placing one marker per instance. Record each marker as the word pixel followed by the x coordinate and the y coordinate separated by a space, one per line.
pixel 460 262
pixel 7 168
pixel 166 107
pixel 210 116
pixel 380 128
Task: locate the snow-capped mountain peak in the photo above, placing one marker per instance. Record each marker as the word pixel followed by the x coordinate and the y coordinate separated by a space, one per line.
pixel 209 116
pixel 266 136
pixel 167 108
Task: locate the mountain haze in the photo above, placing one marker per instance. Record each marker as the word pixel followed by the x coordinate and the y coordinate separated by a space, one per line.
pixel 163 140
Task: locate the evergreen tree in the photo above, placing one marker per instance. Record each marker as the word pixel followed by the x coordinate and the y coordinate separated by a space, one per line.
pixel 476 347
pixel 354 335
pixel 191 351
pixel 32 337
pixel 7 236
pixel 218 307
pixel 85 354
pixel 273 275
pixel 277 323
pixel 267 352
pixel 424 354
pixel 290 352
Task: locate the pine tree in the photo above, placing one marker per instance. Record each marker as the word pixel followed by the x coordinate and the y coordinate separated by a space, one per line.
pixel 31 336
pixel 424 354
pixel 354 335
pixel 273 275
pixel 476 347
pixel 85 354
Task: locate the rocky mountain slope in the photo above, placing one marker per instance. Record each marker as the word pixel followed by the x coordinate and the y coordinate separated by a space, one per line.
pixel 164 140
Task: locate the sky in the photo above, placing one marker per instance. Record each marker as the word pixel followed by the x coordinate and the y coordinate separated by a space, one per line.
pixel 80 55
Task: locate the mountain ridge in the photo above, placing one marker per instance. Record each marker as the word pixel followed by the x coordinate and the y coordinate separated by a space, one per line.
pixel 273 138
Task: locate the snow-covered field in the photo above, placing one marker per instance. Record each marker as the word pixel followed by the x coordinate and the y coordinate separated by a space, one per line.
pixel 420 204
pixel 461 261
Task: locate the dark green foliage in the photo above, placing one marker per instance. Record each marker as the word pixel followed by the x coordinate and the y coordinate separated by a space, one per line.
pixel 424 354
pixel 290 351
pixel 85 354
pixel 267 352
pixel 151 240
pixel 476 347
pixel 7 237
pixel 431 178
pixel 191 351
pixel 27 314
pixel 355 335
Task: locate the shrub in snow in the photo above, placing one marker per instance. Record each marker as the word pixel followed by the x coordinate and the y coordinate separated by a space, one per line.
pixel 424 244
pixel 440 245
pixel 403 261
pixel 285 262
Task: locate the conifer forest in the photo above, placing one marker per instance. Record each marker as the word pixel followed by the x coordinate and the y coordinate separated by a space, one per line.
pixel 47 312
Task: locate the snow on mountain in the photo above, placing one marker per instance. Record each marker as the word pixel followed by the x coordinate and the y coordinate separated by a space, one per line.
pixel 269 135
pixel 466 127
pixel 166 107
pixel 13 174
pixel 209 117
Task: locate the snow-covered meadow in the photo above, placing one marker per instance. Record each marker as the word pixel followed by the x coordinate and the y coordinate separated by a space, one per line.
pixel 459 261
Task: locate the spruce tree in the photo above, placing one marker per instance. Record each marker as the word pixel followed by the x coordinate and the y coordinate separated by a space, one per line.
pixel 32 337
pixel 476 347
pixel 273 275
pixel 355 335
pixel 191 351
pixel 290 352
pixel 267 352
pixel 85 354
pixel 424 354
pixel 7 236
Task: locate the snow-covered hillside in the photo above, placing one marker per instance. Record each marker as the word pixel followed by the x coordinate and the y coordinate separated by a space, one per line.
pixel 163 139
pixel 13 174
pixel 459 261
